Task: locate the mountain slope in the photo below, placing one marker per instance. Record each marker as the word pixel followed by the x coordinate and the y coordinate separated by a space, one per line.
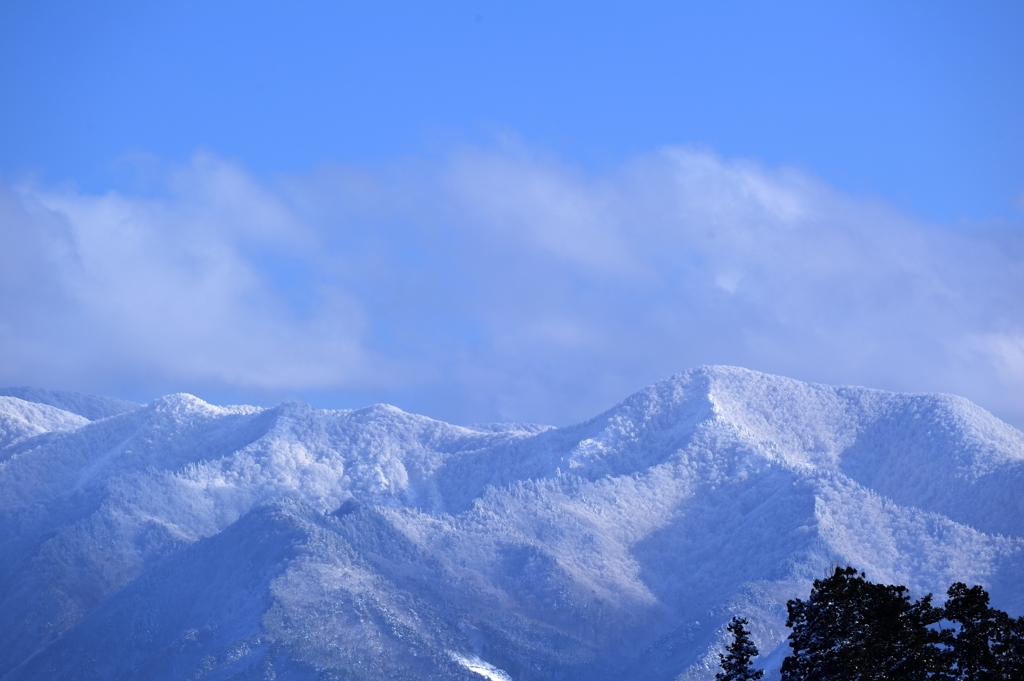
pixel 21 420
pixel 402 547
pixel 90 407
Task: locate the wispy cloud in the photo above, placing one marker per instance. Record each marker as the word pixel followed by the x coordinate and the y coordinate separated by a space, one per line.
pixel 500 283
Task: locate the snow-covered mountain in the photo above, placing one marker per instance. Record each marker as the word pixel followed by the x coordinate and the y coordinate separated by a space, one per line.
pixel 182 540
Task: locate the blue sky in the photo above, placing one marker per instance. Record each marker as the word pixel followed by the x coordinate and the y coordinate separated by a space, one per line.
pixel 489 211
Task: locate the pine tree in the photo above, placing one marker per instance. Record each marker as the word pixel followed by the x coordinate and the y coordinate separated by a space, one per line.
pixel 850 629
pixel 971 653
pixel 1009 646
pixel 989 645
pixel 736 665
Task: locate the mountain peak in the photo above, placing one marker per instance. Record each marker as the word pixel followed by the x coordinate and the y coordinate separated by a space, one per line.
pixel 381 544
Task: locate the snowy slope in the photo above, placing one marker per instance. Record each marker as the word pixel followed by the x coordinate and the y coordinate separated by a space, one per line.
pixel 20 420
pixel 183 540
pixel 89 406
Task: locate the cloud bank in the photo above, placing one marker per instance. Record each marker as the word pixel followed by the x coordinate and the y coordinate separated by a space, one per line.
pixel 498 284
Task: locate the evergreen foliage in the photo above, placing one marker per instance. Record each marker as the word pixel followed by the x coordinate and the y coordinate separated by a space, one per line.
pixel 736 663
pixel 852 629
pixel 989 644
pixel 971 656
pixel 1009 647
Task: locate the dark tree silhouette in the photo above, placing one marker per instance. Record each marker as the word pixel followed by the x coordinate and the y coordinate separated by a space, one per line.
pixel 1009 647
pixel 971 656
pixel 852 629
pixel 989 644
pixel 736 663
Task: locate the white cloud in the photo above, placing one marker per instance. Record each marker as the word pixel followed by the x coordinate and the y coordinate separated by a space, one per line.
pixel 501 284
pixel 546 204
pixel 171 290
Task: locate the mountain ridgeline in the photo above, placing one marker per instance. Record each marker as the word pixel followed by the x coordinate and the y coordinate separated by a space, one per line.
pixel 181 540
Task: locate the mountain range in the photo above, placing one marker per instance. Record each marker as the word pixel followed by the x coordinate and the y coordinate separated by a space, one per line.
pixel 182 540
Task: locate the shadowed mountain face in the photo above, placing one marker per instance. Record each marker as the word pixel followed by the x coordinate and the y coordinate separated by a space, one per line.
pixel 186 541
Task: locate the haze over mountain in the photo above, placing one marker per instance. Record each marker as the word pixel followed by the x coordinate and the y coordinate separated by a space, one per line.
pixel 184 540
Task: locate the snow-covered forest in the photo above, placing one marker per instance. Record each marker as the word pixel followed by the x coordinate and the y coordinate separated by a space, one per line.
pixel 182 540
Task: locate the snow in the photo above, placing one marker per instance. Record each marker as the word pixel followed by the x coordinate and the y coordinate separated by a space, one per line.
pixel 90 407
pixel 221 541
pixel 478 666
pixel 21 420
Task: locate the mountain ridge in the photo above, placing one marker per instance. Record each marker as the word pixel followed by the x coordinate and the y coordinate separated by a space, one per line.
pixel 615 548
pixel 91 407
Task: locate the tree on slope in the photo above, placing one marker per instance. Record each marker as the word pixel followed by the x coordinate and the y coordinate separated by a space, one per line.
pixel 736 663
pixel 1009 647
pixel 989 644
pixel 971 655
pixel 852 629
